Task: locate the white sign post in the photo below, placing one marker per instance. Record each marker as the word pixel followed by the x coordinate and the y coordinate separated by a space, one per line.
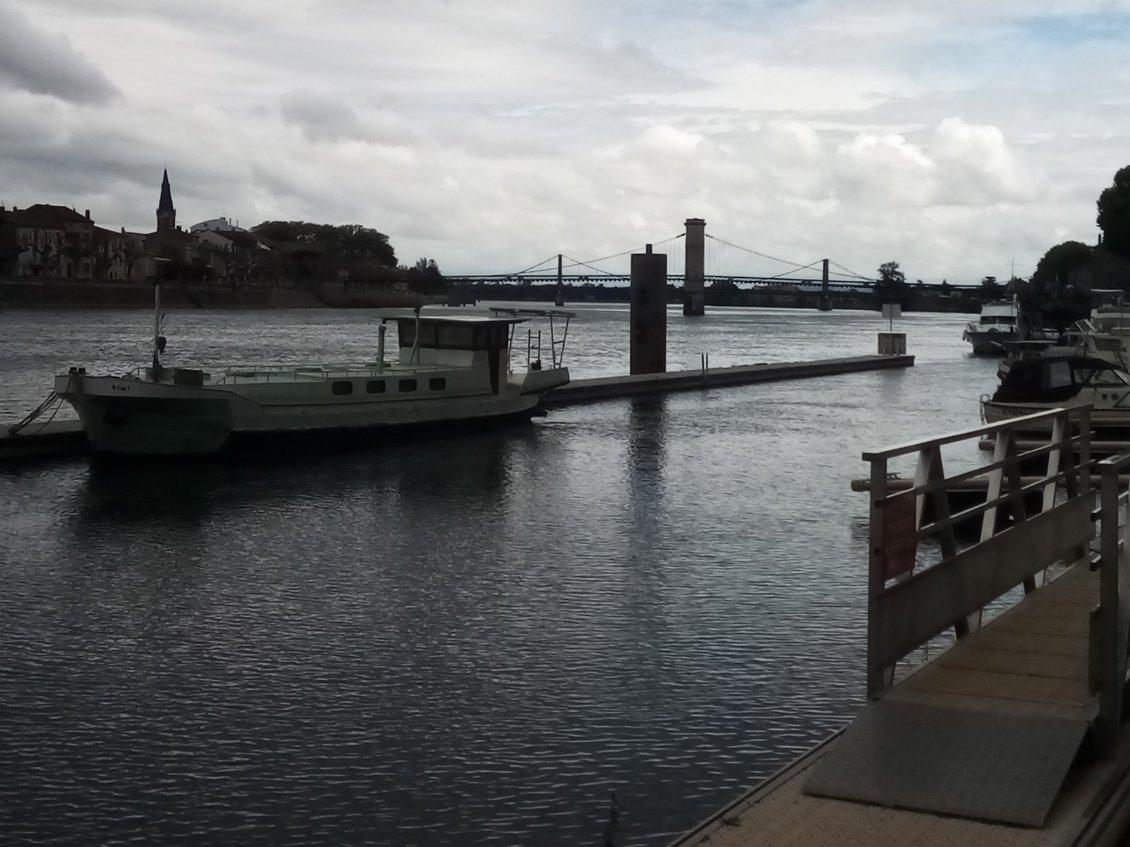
pixel 890 343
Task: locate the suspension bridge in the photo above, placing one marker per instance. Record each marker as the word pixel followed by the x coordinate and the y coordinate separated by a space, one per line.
pixel 721 261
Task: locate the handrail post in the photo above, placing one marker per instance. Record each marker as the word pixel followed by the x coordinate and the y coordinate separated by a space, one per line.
pixel 1084 449
pixel 1109 681
pixel 876 681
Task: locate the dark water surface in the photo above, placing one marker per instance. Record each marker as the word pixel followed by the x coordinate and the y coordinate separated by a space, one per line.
pixel 450 642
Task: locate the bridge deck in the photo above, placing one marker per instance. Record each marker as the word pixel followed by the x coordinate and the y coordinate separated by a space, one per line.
pixel 1028 665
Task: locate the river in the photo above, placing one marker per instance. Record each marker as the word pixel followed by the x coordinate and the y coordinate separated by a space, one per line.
pixel 466 641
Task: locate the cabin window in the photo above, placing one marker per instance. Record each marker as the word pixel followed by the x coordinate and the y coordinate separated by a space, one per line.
pixel 375 386
pixel 437 383
pixel 407 385
pixel 341 387
pixel 1058 375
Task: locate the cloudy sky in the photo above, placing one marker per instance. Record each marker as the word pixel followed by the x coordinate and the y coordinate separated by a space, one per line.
pixel 954 137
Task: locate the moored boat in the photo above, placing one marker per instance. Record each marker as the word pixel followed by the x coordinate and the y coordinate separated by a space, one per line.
pixel 1065 381
pixel 994 328
pixel 449 370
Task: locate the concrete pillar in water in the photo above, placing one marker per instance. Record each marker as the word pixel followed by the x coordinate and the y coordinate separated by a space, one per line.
pixel 648 321
pixel 559 300
pixel 694 286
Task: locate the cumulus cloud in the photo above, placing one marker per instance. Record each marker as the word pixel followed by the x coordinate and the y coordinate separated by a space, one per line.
pixel 886 168
pixel 320 117
pixel 35 60
pixel 489 135
pixel 979 166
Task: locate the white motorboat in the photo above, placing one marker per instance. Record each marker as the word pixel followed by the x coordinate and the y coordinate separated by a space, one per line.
pixel 1068 382
pixel 449 370
pixel 995 328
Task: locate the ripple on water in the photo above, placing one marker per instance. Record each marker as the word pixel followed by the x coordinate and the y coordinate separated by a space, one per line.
pixel 461 642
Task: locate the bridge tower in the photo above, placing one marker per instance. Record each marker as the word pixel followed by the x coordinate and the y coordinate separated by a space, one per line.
pixel 694 286
pixel 824 304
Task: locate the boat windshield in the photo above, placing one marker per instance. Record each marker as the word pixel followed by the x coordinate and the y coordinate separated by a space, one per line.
pixel 1055 379
pixel 1106 376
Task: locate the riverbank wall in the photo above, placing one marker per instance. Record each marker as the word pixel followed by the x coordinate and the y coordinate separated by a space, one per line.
pixel 49 293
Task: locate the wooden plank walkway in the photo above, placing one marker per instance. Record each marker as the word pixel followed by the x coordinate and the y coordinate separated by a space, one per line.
pixel 1030 660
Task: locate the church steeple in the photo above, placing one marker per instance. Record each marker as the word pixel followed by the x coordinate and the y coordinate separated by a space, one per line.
pixel 166 214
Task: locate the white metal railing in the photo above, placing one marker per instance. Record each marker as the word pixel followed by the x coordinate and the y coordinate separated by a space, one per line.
pixel 1110 626
pixel 907 608
pixel 234 374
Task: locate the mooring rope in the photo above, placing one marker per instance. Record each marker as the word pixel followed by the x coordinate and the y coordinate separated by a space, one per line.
pixel 52 399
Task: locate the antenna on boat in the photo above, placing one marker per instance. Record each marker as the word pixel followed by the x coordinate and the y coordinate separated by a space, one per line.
pixel 158 340
pixel 416 340
pixel 156 327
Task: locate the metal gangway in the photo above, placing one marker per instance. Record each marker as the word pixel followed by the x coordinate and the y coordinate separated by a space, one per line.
pixel 1011 730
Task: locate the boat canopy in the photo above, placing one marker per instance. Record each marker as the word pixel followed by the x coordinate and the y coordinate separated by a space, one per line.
pixel 1055 379
pixel 463 332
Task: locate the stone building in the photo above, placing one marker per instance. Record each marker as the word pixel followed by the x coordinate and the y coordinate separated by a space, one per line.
pixel 56 241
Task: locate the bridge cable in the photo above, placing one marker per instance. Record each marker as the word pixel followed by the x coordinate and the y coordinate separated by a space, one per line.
pixel 850 272
pixel 530 268
pixel 625 253
pixel 794 270
pixel 578 263
pixel 754 252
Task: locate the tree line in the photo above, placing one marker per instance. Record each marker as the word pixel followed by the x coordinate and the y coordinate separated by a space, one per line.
pixel 298 250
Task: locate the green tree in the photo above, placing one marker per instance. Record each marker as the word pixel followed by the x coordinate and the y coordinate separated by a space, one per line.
pixel 75 251
pixel 425 277
pixel 889 273
pixel 103 254
pixel 351 241
pixel 46 258
pixel 133 251
pixel 892 287
pixel 320 250
pixel 990 288
pixel 1114 214
pixel 1056 266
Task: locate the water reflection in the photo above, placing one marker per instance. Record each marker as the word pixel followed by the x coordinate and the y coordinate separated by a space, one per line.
pixel 646 459
pixel 185 495
pixel 466 641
